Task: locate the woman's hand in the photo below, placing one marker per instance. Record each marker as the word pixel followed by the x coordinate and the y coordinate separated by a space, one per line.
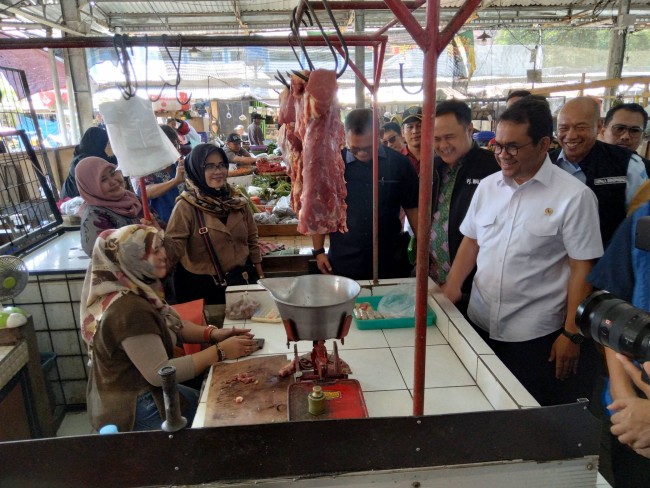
pixel 238 346
pixel 223 334
pixel 180 171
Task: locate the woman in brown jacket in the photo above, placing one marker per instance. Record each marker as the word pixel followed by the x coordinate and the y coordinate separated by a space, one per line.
pixel 227 222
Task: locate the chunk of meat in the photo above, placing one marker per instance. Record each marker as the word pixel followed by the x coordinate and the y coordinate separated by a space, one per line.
pixel 322 200
pixel 241 378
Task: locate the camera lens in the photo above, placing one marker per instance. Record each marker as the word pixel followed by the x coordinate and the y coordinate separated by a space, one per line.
pixel 616 324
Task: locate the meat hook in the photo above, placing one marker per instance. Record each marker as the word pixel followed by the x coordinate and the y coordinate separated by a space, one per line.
pixel 295 29
pixel 281 78
pixel 401 81
pixel 121 45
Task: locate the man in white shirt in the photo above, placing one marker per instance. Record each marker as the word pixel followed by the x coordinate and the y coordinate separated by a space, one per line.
pixel 532 231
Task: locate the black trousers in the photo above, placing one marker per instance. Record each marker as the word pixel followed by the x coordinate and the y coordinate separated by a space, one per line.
pixel 190 286
pixel 528 361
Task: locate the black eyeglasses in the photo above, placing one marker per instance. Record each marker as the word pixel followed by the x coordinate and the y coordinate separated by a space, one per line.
pixel 390 140
pixel 358 150
pixel 620 129
pixel 511 149
pixel 214 167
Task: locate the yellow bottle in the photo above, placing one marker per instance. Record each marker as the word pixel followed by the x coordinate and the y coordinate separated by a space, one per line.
pixel 316 401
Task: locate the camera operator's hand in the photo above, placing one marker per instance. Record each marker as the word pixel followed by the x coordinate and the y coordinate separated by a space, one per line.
pixel 635 373
pixel 631 420
pixel 631 423
pixel 565 354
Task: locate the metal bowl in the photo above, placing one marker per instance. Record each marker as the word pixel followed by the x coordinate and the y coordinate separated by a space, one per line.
pixel 317 305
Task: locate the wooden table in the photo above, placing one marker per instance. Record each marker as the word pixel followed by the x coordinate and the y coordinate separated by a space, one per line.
pixel 264 401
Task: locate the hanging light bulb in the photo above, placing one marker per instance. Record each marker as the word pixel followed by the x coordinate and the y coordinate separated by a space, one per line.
pixel 484 37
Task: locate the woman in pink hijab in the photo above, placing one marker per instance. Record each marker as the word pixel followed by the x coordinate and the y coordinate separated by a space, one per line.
pixel 107 203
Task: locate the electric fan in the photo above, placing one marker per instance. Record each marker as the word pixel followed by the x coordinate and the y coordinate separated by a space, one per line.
pixel 13 280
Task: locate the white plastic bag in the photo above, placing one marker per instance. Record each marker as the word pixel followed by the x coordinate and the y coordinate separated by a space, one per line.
pixel 399 302
pixel 137 141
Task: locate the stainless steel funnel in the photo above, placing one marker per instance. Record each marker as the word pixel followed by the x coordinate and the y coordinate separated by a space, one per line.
pixel 316 305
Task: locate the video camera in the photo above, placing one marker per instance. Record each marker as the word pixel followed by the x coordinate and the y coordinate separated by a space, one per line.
pixel 614 323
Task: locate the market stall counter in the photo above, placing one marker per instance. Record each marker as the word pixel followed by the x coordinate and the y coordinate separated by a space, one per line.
pixel 479 421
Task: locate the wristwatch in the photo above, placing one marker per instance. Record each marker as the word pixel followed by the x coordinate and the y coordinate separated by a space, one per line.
pixel 575 338
pixel 316 252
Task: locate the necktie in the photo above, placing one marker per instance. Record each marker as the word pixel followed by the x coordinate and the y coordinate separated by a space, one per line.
pixel 440 262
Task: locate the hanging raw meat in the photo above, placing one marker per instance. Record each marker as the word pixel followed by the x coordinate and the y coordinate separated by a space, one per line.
pixel 290 142
pixel 323 190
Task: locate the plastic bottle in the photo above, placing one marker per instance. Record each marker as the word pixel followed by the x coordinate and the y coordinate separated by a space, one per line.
pixel 316 401
pixel 108 429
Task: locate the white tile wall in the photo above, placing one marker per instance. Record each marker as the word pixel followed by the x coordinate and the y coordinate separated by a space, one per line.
pixel 503 375
pixel 54 291
pixel 493 390
pixel 71 367
pixel 37 311
pixel 31 293
pixel 75 392
pixel 75 288
pixel 65 342
pixel 60 316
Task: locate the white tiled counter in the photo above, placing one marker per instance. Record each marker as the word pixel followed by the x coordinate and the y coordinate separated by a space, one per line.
pixel 462 374
pixel 56 273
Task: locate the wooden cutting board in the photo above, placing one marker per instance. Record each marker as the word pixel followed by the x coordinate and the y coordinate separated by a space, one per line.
pixel 264 402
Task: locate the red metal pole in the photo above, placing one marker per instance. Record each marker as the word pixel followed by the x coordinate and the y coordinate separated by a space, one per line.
pixel 390 24
pixel 356 70
pixel 456 23
pixel 361 5
pixel 145 199
pixel 424 205
pixel 185 41
pixel 409 22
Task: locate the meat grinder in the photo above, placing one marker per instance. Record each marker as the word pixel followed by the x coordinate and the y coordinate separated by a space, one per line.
pixel 318 308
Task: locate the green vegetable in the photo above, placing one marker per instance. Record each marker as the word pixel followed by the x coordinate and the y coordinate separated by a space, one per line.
pixel 411 250
pixel 247 197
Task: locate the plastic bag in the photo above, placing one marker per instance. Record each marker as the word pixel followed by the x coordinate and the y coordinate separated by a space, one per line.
pixel 283 208
pixel 140 146
pixel 399 302
pixel 242 308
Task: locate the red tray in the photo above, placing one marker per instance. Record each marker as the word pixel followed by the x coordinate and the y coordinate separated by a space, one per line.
pixel 344 400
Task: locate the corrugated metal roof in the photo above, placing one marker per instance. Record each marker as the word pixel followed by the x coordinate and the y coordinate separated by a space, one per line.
pixel 258 16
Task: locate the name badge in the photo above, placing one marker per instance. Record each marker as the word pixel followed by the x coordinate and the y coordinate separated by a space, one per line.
pixel 611 180
pixel 472 181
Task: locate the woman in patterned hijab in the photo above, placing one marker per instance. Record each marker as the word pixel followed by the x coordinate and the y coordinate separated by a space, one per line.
pixel 131 332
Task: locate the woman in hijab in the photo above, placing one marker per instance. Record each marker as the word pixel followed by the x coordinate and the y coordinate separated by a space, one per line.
pixel 210 203
pixel 107 204
pixel 93 143
pixel 131 332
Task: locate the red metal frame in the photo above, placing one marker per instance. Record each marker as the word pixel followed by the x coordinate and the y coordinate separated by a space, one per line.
pixel 429 39
pixel 432 43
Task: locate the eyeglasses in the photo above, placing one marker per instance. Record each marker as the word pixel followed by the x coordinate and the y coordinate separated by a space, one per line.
pixel 357 150
pixel 620 129
pixel 511 149
pixel 390 140
pixel 211 167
